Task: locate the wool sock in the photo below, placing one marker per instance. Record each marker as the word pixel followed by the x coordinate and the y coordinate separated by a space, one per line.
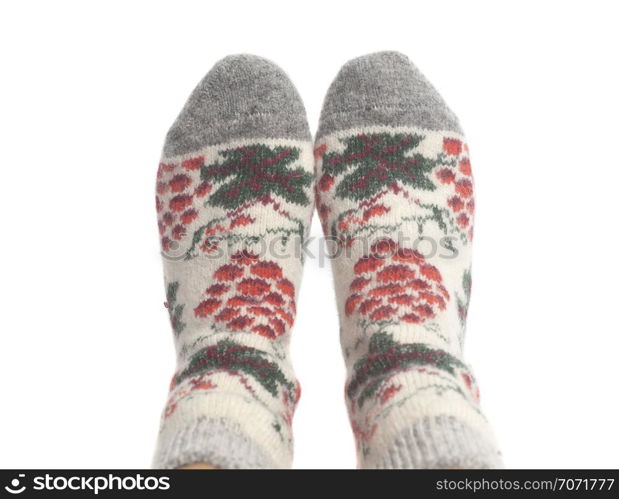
pixel 394 190
pixel 234 204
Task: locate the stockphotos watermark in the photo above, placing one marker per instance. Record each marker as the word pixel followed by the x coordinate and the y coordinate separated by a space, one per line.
pixel 296 247
pixel 92 484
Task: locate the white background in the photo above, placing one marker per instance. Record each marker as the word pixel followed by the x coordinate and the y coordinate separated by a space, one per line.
pixel 88 91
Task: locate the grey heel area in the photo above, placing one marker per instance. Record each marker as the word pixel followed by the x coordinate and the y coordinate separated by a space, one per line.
pixel 242 96
pixel 384 88
pixel 218 442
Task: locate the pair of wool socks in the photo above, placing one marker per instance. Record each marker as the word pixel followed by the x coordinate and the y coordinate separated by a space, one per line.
pixel 236 187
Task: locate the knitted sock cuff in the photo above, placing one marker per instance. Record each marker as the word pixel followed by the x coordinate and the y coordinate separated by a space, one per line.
pixel 217 441
pixel 439 442
pixel 229 420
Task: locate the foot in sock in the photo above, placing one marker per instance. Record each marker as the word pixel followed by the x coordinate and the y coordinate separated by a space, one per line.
pixel 394 189
pixel 234 201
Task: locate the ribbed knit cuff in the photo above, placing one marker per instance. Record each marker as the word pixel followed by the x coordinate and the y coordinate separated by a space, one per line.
pixel 218 442
pixel 439 442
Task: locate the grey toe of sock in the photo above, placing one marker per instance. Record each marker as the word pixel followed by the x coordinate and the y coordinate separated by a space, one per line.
pixel 241 97
pixel 384 88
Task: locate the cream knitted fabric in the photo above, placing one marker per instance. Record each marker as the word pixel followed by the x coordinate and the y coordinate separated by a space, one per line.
pixel 395 191
pixel 234 203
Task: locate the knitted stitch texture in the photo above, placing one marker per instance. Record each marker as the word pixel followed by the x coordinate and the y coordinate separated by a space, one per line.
pixel 234 204
pixel 395 191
